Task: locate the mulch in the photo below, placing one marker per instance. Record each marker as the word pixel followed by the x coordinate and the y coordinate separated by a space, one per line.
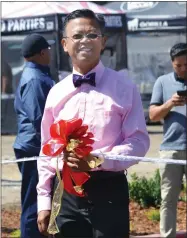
pixel 139 221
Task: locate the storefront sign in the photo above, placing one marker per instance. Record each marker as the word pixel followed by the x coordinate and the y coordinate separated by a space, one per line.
pixel 137 6
pixel 137 24
pixel 26 24
pixel 113 21
pixel 147 24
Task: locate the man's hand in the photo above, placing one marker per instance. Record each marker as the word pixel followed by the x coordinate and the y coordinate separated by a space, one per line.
pixel 177 100
pixel 158 112
pixel 43 221
pixel 75 163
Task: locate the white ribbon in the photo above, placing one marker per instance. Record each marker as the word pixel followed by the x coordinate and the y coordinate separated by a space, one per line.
pixel 109 156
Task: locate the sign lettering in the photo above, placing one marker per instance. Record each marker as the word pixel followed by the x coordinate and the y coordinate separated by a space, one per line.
pixel 113 21
pixel 110 21
pixel 145 24
pixel 138 5
pixel 137 24
pixel 13 25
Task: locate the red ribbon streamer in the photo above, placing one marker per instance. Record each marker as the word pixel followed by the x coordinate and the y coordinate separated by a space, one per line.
pixel 66 136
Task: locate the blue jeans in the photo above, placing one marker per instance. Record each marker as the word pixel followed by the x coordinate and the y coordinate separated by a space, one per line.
pixel 29 227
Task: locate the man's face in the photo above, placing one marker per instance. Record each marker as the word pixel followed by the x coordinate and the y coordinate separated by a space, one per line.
pixel 45 56
pixel 83 50
pixel 180 66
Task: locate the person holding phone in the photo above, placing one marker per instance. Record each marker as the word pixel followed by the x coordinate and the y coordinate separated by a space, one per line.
pixel 168 102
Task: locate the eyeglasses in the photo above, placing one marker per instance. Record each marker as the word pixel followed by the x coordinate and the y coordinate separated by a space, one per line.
pixel 90 36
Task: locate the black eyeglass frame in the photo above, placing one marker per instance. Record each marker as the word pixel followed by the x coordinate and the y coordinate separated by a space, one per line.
pixel 84 35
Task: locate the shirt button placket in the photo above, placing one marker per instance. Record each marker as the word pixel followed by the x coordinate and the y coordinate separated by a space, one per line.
pixel 82 108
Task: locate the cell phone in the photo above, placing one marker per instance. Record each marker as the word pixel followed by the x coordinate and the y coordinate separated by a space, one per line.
pixel 182 93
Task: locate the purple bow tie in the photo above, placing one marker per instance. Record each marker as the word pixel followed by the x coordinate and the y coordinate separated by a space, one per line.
pixel 78 79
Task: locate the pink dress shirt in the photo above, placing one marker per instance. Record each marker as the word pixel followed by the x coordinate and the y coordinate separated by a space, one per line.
pixel 112 110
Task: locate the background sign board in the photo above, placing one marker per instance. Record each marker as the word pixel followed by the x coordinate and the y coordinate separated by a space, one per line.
pixel 43 23
pixel 111 21
pixel 137 6
pixel 28 24
pixel 143 24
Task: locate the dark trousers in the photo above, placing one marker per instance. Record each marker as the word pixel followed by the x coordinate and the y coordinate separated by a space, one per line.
pixel 104 212
pixel 29 228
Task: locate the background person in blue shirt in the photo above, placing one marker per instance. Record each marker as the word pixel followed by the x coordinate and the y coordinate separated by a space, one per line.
pixel 169 105
pixel 30 99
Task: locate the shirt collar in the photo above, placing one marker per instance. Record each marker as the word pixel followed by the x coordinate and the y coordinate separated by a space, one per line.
pixel 99 70
pixel 177 78
pixel 43 68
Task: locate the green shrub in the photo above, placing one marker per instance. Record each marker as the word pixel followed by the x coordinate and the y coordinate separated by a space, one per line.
pixel 153 215
pixel 182 196
pixel 145 192
pixel 184 187
pixel 15 234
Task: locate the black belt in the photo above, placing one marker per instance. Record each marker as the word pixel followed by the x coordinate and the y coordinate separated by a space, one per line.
pixel 104 174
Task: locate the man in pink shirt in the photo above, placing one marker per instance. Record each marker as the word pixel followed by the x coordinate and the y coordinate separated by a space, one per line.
pixel 111 106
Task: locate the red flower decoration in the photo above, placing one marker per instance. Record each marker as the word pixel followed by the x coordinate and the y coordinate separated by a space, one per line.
pixel 70 136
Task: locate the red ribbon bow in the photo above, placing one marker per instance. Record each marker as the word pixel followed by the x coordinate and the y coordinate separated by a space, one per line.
pixel 66 136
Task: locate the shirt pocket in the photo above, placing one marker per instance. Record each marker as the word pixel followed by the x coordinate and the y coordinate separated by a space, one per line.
pixel 106 123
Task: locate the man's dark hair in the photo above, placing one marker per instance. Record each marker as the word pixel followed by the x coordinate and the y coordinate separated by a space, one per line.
pixel 178 50
pixel 85 13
